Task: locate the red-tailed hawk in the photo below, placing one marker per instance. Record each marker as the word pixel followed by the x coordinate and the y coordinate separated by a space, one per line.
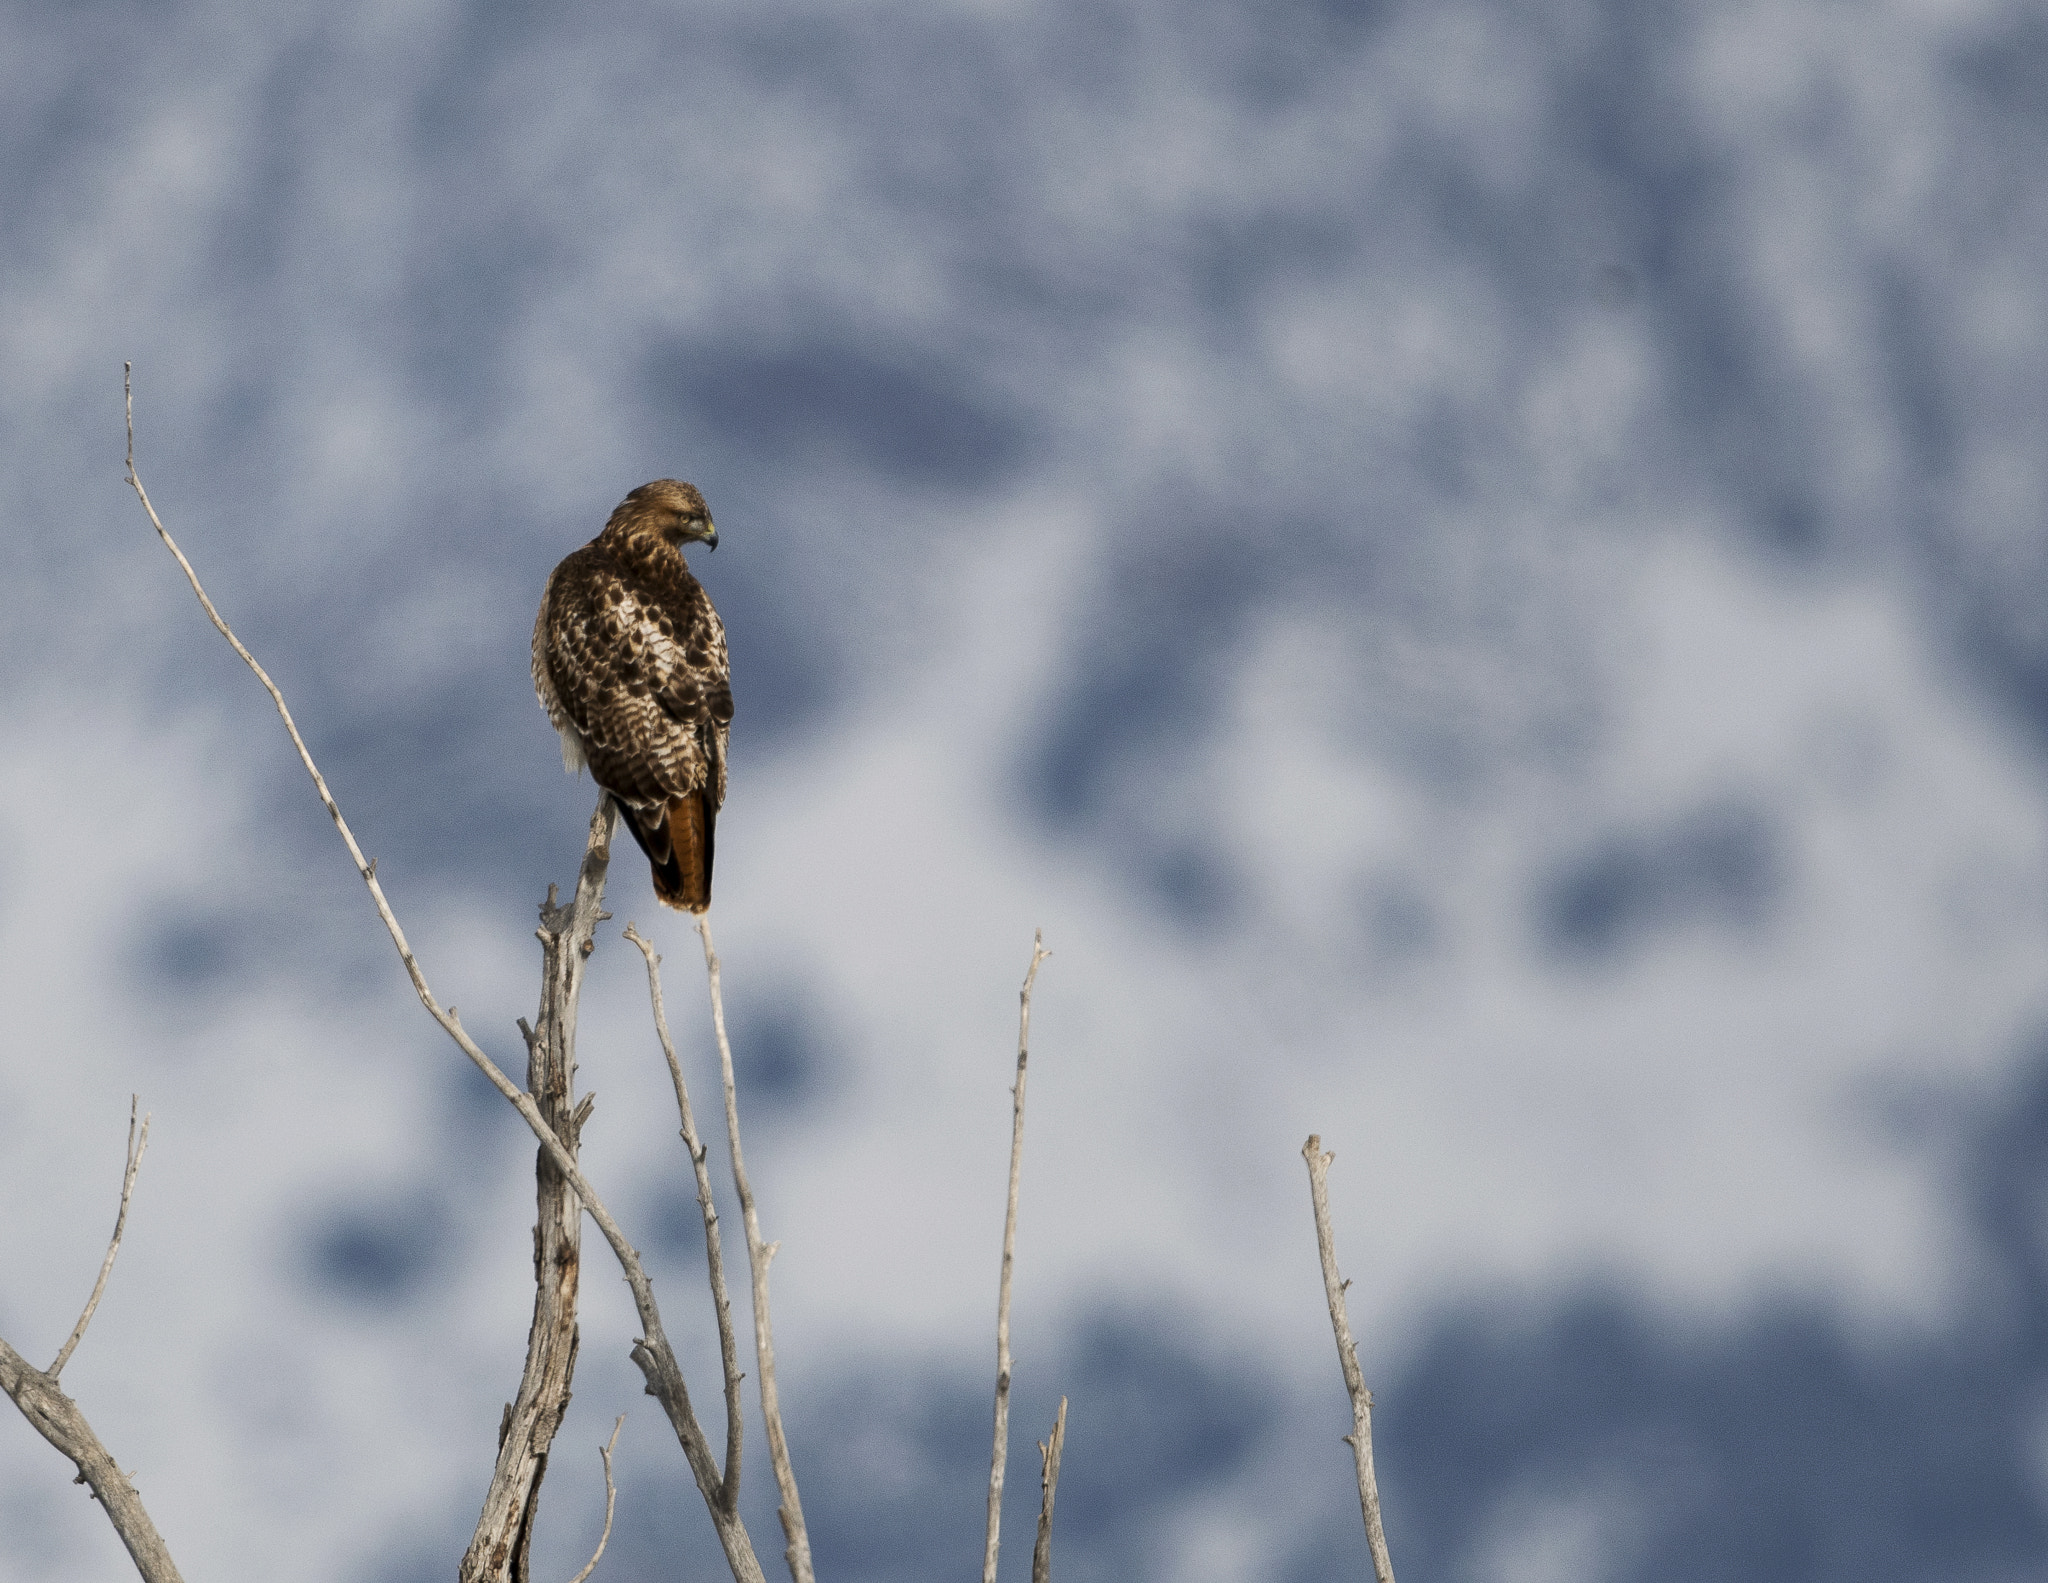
pixel 629 661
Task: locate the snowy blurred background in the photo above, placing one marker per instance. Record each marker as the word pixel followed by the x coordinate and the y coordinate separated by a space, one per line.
pixel 1479 569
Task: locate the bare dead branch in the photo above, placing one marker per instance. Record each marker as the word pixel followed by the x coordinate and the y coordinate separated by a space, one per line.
pixel 1360 1438
pixel 1048 1487
pixel 1000 1456
pixel 611 1500
pixel 500 1550
pixel 57 1419
pixel 721 1301
pixel 137 1145
pixel 652 1353
pixel 798 1550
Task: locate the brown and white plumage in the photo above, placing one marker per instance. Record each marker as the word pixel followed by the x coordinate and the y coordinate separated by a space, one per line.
pixel 629 661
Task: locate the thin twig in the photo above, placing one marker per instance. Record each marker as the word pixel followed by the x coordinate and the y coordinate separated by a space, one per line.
pixel 611 1500
pixel 1048 1487
pixel 721 1302
pixel 798 1551
pixel 500 1550
pixel 1360 1438
pixel 1000 1456
pixel 136 1147
pixel 653 1353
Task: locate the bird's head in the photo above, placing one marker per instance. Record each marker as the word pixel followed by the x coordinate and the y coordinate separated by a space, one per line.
pixel 669 510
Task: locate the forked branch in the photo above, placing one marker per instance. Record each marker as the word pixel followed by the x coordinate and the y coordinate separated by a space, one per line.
pixel 58 1420
pixel 1360 1438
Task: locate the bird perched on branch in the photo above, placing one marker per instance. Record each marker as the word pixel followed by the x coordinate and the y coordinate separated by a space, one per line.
pixel 629 661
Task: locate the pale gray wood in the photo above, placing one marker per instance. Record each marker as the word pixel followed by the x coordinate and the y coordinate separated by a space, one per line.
pixel 137 1147
pixel 611 1501
pixel 714 1253
pixel 1000 1455
pixel 797 1549
pixel 1048 1487
pixel 1360 1438
pixel 499 1551
pixel 58 1420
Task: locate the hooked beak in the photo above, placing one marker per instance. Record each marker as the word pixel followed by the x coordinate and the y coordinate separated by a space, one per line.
pixel 711 539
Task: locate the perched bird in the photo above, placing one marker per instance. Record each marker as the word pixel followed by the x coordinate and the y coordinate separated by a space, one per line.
pixel 629 661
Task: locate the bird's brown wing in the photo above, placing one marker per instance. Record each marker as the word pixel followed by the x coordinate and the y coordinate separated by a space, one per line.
pixel 692 687
pixel 641 675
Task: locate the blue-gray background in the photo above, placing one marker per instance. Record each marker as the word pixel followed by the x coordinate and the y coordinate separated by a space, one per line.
pixel 1479 568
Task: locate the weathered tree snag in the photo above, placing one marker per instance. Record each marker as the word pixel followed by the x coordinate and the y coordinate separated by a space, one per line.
pixel 504 1532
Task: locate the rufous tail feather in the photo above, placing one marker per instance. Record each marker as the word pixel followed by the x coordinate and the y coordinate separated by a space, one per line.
pixel 678 851
pixel 684 882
